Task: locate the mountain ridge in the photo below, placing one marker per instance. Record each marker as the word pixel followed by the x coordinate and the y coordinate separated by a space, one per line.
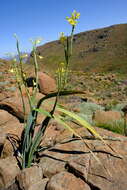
pixel 98 50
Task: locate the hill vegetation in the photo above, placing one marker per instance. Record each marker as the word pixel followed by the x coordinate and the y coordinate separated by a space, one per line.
pixel 100 50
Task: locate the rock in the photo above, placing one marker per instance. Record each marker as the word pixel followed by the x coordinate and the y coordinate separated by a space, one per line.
pixel 5 116
pixel 14 186
pixel 51 166
pixel 46 83
pixel 53 131
pixel 14 129
pixel 40 185
pixel 29 177
pixel 2 141
pixel 74 157
pixel 24 92
pixel 103 117
pixel 110 175
pixel 79 166
pixel 11 108
pixel 8 171
pixel 66 181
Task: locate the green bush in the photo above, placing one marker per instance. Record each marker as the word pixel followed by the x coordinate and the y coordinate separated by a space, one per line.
pixel 116 126
pixel 88 108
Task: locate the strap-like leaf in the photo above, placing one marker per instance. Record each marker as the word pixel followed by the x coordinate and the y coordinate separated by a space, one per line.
pixel 81 121
pixel 44 112
pixel 57 118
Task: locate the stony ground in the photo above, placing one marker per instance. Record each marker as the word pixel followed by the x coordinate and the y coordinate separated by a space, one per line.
pixel 68 163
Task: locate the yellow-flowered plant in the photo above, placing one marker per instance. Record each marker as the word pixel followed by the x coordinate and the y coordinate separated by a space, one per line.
pixel 73 19
pixel 36 41
pixel 40 57
pixel 62 38
pixel 23 56
pixel 31 140
pixel 61 76
pixel 67 43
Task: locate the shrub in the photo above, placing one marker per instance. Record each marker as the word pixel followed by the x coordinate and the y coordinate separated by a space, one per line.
pixel 88 108
pixel 115 126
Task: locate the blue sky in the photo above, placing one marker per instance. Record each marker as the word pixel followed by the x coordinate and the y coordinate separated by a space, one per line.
pixel 46 19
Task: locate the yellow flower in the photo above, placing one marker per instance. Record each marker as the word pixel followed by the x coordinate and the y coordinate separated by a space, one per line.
pixel 24 56
pixel 62 67
pixel 36 41
pixel 40 57
pixel 11 70
pixel 62 37
pixel 62 64
pixel 62 70
pixel 73 19
pixel 24 75
pixel 75 15
pixel 14 59
pixel 34 83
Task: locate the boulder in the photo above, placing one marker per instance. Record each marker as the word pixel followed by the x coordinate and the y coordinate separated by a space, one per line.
pixel 2 141
pixel 52 133
pixel 106 170
pixel 8 125
pixel 46 83
pixel 8 109
pixel 15 132
pixel 28 177
pixel 103 117
pixel 40 185
pixel 14 186
pixel 66 181
pixel 8 171
pixel 6 117
pixel 51 166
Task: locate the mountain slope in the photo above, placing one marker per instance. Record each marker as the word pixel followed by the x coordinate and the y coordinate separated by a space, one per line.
pixel 100 50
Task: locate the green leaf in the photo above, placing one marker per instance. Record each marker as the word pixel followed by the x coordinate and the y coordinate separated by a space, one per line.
pixel 81 121
pixel 27 131
pixel 33 148
pixel 54 94
pixel 57 118
pixel 44 112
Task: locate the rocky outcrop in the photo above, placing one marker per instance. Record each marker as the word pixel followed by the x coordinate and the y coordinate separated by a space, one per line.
pixel 103 117
pixel 66 181
pixel 69 164
pixel 8 171
pixel 28 177
pixel 13 109
pixel 9 125
pixel 46 83
pixel 105 169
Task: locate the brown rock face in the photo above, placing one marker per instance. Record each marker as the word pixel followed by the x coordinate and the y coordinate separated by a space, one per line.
pixel 5 117
pixel 8 171
pixel 39 185
pixel 46 83
pixel 73 158
pixel 66 181
pixel 106 116
pixel 8 125
pixel 51 166
pixel 29 176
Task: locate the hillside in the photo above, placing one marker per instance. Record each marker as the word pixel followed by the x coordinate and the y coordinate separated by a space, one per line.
pixel 100 50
